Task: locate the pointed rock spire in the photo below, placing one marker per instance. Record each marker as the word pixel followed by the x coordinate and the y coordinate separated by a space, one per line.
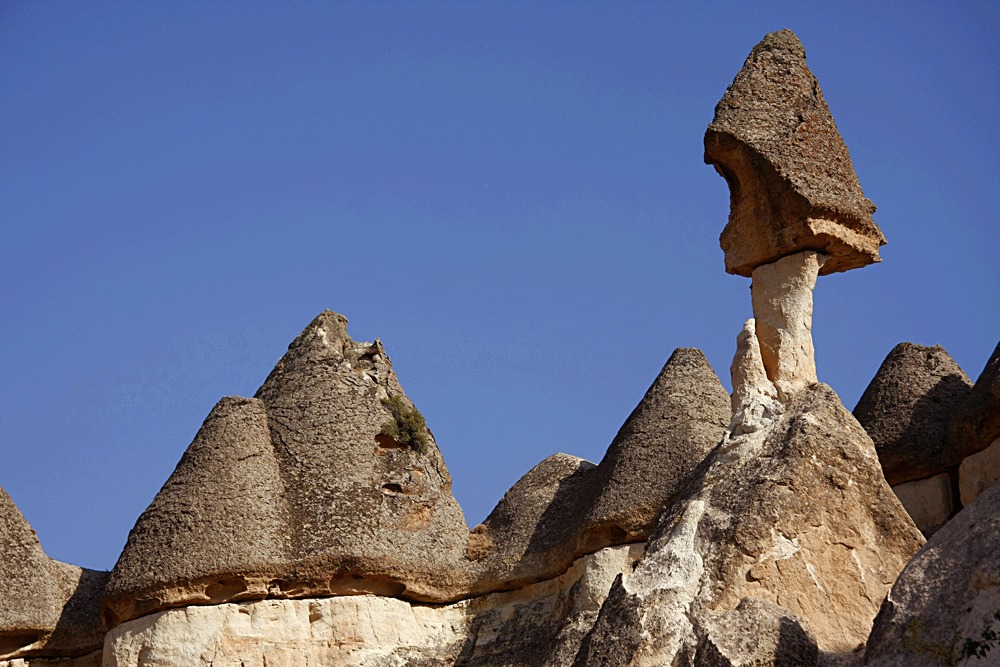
pixel 906 410
pixel 327 482
pixel 792 185
pixel 566 507
pixel 47 608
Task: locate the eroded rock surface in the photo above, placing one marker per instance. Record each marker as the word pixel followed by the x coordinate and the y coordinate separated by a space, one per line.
pixel 797 515
pixel 48 609
pixel 566 507
pixel 907 408
pixel 976 422
pixel 540 624
pixel 791 182
pixel 947 595
pixel 929 502
pixel 298 492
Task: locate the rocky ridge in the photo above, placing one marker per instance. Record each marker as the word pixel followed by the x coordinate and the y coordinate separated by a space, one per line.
pixel 314 523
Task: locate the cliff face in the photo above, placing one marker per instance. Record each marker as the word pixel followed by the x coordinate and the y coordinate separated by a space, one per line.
pixel 314 523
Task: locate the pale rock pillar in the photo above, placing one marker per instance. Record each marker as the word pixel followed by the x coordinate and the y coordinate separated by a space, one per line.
pixel 782 296
pixel 754 399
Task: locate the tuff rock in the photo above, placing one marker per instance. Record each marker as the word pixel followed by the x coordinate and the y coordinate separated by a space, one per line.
pixel 297 492
pixel 947 596
pixel 797 515
pixel 791 183
pixel 976 422
pixel 907 408
pixel 48 610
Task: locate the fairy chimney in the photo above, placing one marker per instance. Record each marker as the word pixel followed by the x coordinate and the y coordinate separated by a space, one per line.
pixel 796 208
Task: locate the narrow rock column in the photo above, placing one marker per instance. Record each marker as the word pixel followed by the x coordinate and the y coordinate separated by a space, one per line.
pixel 782 296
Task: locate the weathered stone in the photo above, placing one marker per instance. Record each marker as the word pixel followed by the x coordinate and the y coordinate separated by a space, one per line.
pixel 946 596
pixel 978 472
pixel 782 296
pixel 300 492
pixel 929 502
pixel 797 514
pixel 791 183
pixel 48 609
pixel 536 625
pixel 566 507
pixel 976 422
pixel 756 633
pixel 906 410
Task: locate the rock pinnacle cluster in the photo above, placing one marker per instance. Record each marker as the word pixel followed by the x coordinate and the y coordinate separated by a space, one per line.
pixel 314 523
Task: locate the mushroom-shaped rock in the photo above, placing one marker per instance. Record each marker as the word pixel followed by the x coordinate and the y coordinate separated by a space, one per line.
pixel 795 514
pixel 565 507
pixel 945 606
pixel 327 482
pixel 906 410
pixel 47 608
pixel 791 182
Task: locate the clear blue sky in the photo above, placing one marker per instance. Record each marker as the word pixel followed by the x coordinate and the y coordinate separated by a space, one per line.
pixel 510 195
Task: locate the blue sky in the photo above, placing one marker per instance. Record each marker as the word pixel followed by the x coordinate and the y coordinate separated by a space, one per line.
pixel 510 195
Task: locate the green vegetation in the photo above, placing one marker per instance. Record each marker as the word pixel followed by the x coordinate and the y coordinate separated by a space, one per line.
pixel 978 648
pixel 407 426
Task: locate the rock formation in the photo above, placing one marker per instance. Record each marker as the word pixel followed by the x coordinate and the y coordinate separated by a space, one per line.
pixel 566 507
pixel 795 514
pixel 789 530
pixel 327 483
pixel 314 524
pixel 906 410
pixel 975 432
pixel 48 609
pixel 300 492
pixel 791 182
pixel 946 602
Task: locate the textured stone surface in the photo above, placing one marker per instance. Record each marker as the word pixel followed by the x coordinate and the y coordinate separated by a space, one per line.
pixel 47 608
pixel 906 410
pixel 946 594
pixel 976 422
pixel 756 633
pixel 540 624
pixel 89 660
pixel 797 514
pixel 566 507
pixel 978 472
pixel 929 502
pixel 791 182
pixel 297 493
pixel 782 295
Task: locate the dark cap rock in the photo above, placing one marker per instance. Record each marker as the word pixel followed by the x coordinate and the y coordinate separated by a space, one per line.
pixel 906 410
pixel 791 182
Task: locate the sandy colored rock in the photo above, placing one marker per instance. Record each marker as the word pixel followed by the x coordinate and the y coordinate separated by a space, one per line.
pixel 797 515
pixel 536 625
pixel 946 596
pixel 782 296
pixel 298 492
pixel 976 422
pixel 566 507
pixel 756 633
pixel 929 502
pixel 791 183
pixel 907 408
pixel 48 609
pixel 978 472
